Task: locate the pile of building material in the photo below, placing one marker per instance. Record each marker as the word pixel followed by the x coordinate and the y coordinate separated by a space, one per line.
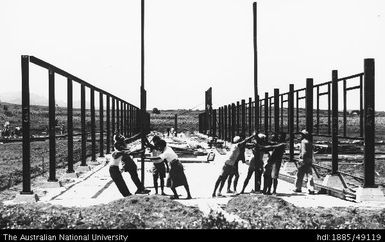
pixel 343 148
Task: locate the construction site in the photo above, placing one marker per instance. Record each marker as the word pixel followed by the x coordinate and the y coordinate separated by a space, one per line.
pixel 58 176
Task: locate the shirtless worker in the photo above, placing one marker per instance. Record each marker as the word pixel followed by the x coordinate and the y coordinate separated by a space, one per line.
pixel 273 165
pixel 256 163
pixel 228 167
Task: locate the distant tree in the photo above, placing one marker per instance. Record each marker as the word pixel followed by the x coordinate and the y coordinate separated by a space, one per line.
pixel 5 108
pixel 155 111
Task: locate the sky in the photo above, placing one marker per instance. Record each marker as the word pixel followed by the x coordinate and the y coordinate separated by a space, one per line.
pixel 191 46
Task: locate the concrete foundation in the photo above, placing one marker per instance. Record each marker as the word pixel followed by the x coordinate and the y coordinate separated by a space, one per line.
pixel 51 184
pixel 70 175
pixel 370 194
pixel 83 169
pixel 25 198
pixel 333 181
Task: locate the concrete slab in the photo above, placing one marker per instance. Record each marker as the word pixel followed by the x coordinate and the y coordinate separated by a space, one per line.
pixel 70 175
pixel 51 184
pixel 370 195
pixel 83 168
pixel 96 187
pixel 23 198
pixel 333 181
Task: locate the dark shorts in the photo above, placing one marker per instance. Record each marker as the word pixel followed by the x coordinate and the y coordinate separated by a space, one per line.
pixel 305 168
pixel 227 170
pixel 159 169
pixel 254 165
pixel 268 170
pixel 176 176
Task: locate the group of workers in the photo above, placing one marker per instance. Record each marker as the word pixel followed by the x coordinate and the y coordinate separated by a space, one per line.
pixel 165 160
pixel 275 150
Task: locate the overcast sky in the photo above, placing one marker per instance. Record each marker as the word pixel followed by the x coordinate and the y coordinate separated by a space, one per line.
pixel 191 46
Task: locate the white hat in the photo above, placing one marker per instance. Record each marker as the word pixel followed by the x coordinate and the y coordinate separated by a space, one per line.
pixel 304 132
pixel 236 139
pixel 261 136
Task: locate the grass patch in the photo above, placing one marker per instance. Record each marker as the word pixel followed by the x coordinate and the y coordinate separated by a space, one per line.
pixel 135 212
pixel 268 212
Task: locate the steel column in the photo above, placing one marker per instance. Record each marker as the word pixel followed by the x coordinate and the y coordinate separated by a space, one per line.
pixel 369 135
pixel 101 117
pixel 83 124
pixel 26 125
pixel 52 126
pixel 334 122
pixel 70 140
pixel 93 125
pixel 309 107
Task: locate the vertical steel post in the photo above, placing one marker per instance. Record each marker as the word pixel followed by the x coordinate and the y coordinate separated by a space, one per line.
pixel 108 138
pixel 52 126
pixel 220 123
pixel 250 116
pixel 270 115
pixel 369 135
pixel 276 110
pixel 70 137
pixel 214 122
pixel 243 113
pixel 142 89
pixel 230 121
pixel 291 122
pixel 26 125
pixel 317 109
pixel 344 103
pixel 233 120
pixel 361 109
pixel 117 116
pixel 176 124
pixel 257 114
pixel 297 110
pixel 225 122
pixel 329 109
pixel 129 120
pixel 260 105
pixel 255 51
pixel 238 117
pixel 83 124
pixel 122 117
pixel 281 108
pixel 266 114
pixel 309 107
pixel 93 125
pixel 101 117
pixel 113 118
pixel 334 122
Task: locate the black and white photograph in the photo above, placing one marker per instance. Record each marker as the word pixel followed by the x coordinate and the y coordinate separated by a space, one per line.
pixel 129 115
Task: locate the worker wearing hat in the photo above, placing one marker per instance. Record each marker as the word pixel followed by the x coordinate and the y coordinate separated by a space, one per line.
pixel 235 174
pixel 305 163
pixel 228 167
